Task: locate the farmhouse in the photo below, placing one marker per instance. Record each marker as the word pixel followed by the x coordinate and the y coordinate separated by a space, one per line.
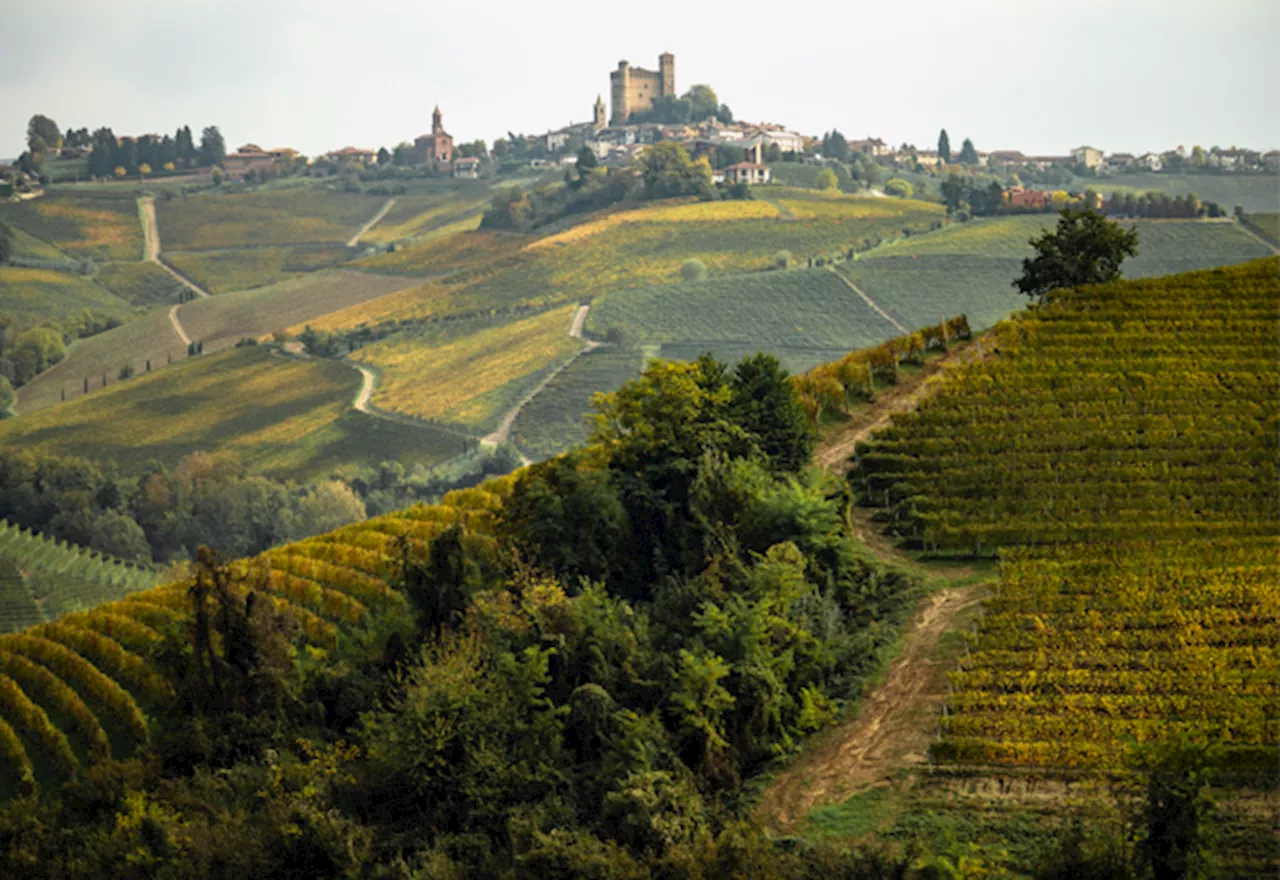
pixel 435 148
pixel 870 146
pixel 1032 199
pixel 1089 157
pixel 352 154
pixel 634 88
pixel 249 158
pixel 468 167
pixel 748 172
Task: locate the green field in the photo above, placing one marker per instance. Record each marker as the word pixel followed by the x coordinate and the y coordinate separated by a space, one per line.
pixel 104 226
pixel 34 295
pixel 301 214
pixel 555 420
pixel 791 308
pixel 1253 192
pixel 284 417
pixel 969 268
pixel 141 284
pixel 150 336
pixel 223 320
pixel 472 379
pixel 223 271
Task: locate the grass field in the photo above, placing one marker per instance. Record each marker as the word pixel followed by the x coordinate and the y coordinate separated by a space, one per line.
pixel 1253 192
pixel 792 308
pixel 556 419
pixel 970 267
pixel 150 336
pixel 285 417
pixel 103 226
pixel 472 380
pixel 33 295
pixel 141 284
pixel 223 320
pixel 302 214
pixel 223 271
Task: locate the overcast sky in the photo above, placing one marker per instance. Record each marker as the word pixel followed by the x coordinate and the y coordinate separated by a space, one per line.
pixel 1039 76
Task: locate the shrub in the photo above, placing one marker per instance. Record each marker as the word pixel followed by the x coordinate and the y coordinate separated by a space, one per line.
pixel 898 187
pixel 782 260
pixel 693 270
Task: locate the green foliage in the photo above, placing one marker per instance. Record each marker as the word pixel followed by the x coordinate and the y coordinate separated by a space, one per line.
pixel 898 187
pixel 826 179
pixel 667 171
pixel 765 403
pixel 693 270
pixel 6 242
pixel 1086 248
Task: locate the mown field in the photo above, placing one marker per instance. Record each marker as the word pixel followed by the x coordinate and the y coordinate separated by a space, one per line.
pixel 224 271
pixel 223 320
pixel 284 417
pixel 970 267
pixel 33 295
pixel 302 214
pixel 791 308
pixel 472 380
pixel 103 226
pixel 556 419
pixel 140 284
pixel 150 336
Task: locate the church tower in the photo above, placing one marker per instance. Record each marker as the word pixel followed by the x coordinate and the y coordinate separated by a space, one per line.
pixel 598 119
pixel 437 122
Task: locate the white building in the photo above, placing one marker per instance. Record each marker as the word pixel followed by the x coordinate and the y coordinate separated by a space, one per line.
pixel 467 168
pixel 748 172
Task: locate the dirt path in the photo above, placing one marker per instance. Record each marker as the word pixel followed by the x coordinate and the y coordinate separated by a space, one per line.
pixel 367 378
pixel 892 730
pixel 504 427
pixel 151 253
pixel 870 302
pixel 372 222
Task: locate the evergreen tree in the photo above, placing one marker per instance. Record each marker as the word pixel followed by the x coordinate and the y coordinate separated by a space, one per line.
pixel 944 147
pixel 968 154
pixel 212 148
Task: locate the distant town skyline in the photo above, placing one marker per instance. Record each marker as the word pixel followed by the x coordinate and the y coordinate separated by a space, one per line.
pixel 1042 78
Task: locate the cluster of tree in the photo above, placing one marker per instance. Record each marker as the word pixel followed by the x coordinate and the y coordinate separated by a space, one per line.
pixel 663 170
pixel 110 155
pixel 972 195
pixel 1160 205
pixel 968 154
pixel 26 351
pixel 696 105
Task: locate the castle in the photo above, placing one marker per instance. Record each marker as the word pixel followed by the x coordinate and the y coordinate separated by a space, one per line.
pixel 634 88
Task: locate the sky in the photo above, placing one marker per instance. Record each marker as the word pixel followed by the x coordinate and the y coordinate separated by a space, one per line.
pixel 1041 76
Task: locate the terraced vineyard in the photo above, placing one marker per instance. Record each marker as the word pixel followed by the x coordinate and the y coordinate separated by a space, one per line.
pixel 1126 439
pixel 42 579
pixel 77 691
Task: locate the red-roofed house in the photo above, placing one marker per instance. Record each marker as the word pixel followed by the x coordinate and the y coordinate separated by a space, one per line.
pixel 352 154
pixel 467 167
pixel 249 158
pixel 1031 199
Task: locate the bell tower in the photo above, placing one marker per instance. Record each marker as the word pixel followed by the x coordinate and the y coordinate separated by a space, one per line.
pixel 437 122
pixel 599 120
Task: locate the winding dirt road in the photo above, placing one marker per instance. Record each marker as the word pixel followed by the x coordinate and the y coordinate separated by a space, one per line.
pixel 504 427
pixel 373 222
pixel 151 235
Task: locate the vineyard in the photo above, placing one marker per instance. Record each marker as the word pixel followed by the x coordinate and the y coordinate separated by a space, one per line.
pixel 1121 453
pixel 141 284
pixel 42 579
pixel 84 688
pixel 34 295
pixel 103 226
pixel 470 380
pixel 283 417
pixel 303 214
pixel 240 269
pixel 1265 225
pixel 413 216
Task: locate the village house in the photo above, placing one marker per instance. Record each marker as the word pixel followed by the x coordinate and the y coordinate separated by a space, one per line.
pixel 870 146
pixel 927 159
pixel 352 155
pixel 466 168
pixel 1089 157
pixel 1031 199
pixel 1272 160
pixel 748 172
pixel 250 158
pixel 1151 161
pixel 1119 162
pixel 785 141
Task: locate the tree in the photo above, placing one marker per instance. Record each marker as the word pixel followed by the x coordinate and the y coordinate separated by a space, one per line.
pixel 765 403
pixel 144 169
pixel 587 161
pixel 693 270
pixel 944 147
pixel 6 242
pixel 403 154
pixel 7 399
pixel 1086 248
pixel 898 187
pixel 827 179
pixel 968 155
pixel 668 171
pixel 702 102
pixel 42 134
pixel 212 148
pixel 384 156
pixel 834 146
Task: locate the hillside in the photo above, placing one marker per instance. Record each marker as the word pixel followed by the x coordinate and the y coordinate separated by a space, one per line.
pixel 283 417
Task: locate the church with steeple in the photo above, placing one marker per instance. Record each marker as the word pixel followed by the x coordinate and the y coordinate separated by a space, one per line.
pixel 435 148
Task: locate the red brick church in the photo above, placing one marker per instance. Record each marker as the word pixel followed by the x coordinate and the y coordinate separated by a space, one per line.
pixel 435 148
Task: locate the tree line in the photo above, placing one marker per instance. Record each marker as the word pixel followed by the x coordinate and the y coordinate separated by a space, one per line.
pixel 111 155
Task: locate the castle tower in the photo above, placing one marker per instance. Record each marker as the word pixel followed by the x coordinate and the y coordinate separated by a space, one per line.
pixel 620 86
pixel 437 122
pixel 598 115
pixel 667 68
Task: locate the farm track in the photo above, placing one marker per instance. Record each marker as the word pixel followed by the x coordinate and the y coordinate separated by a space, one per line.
pixel 372 222
pixel 151 234
pixel 872 303
pixel 503 431
pixel 894 724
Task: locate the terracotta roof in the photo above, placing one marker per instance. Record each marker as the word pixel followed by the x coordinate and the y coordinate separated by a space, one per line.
pixel 351 151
